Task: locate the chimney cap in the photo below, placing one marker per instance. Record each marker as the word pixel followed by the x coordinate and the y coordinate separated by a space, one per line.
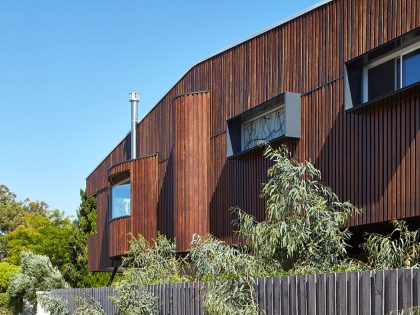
pixel 134 96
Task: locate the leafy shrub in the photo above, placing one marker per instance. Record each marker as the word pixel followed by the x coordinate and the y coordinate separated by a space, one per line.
pixel 304 218
pixel 36 274
pixel 4 304
pixel 7 271
pixel 230 272
pixel 157 261
pixel 399 249
pixel 347 265
pixel 131 298
pixel 96 280
pixel 86 305
pixel 146 263
pixel 55 305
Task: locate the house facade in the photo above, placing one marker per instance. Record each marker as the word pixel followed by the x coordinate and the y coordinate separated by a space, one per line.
pixel 339 84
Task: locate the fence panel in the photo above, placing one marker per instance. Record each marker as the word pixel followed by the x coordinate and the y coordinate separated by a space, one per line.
pixel 330 294
pixel 391 292
pixel 311 294
pixel 285 292
pixel 405 290
pixel 365 292
pixel 369 292
pixel 352 292
pixel 321 292
pixel 377 292
pixel 341 293
pixel 276 296
pixel 416 286
pixel 293 296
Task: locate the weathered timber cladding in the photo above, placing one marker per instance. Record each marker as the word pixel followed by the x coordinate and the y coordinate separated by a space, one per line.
pixel 144 197
pixel 113 235
pixel 191 161
pixel 371 159
pixel 119 228
pixel 119 231
pixel 370 292
pixel 98 247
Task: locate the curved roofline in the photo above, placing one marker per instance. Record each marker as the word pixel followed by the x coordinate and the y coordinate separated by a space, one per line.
pixel 281 22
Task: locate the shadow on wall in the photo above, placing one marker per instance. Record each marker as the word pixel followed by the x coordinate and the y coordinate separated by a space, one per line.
pixel 237 182
pixel 370 158
pixel 165 199
pixel 105 261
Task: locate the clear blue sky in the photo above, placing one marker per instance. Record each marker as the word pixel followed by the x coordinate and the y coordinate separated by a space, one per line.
pixel 66 68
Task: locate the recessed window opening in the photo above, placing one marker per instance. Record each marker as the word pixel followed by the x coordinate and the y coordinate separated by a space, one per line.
pixel 275 119
pixel 391 73
pixel 264 127
pixel 121 199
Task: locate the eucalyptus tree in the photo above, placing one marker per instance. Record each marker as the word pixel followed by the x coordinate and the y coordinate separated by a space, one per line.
pixel 230 272
pixel 399 249
pixel 147 263
pixel 304 217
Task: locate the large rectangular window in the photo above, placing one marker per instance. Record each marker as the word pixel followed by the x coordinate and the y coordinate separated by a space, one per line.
pixel 382 73
pixel 391 73
pixel 411 68
pixel 120 199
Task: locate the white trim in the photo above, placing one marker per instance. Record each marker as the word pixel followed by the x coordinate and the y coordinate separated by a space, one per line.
pixel 284 21
pixel 397 54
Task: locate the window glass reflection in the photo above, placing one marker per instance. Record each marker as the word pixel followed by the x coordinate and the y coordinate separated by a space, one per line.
pixel 411 68
pixel 120 200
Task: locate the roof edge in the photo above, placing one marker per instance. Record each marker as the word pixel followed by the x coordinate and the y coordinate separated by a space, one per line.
pixel 281 22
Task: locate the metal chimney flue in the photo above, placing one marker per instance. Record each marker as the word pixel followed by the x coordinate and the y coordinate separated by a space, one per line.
pixel 134 100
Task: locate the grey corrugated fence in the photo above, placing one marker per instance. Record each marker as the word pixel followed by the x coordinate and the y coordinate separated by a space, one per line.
pixel 370 292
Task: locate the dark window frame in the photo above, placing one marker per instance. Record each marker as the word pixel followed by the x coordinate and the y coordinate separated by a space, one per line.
pixel 126 180
pixel 397 58
pixel 287 100
pixel 355 78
